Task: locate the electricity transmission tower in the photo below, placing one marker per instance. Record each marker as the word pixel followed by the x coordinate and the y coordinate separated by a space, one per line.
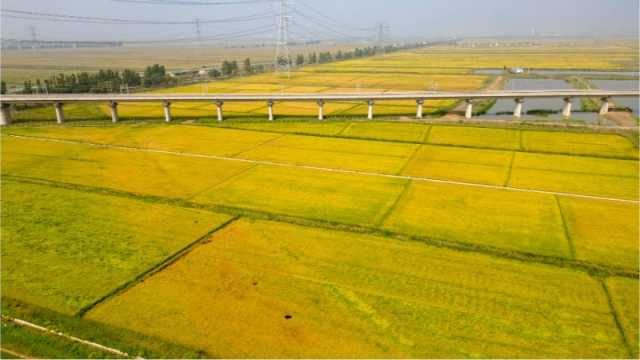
pixel 283 59
pixel 381 35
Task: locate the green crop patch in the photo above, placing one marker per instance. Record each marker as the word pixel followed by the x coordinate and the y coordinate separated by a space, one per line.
pixel 345 198
pixel 395 131
pixel 460 164
pixel 500 218
pixel 603 231
pixel 64 249
pixel 624 296
pixel 138 172
pixel 358 155
pixel 265 289
pixel 508 139
pixel 580 175
pixel 606 145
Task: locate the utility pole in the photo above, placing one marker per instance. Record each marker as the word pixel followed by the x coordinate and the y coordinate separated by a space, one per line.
pixel 282 61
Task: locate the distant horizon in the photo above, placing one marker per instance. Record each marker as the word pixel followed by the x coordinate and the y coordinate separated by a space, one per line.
pixel 334 20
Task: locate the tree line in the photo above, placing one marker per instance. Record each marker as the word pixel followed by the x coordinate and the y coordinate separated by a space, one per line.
pixel 106 81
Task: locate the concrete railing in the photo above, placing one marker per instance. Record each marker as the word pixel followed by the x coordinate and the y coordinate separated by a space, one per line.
pixel 166 100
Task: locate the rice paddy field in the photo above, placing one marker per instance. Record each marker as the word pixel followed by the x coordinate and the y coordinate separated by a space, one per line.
pixel 335 239
pixel 344 238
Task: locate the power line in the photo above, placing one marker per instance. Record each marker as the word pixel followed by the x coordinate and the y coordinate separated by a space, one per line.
pixel 228 36
pixel 32 15
pixel 332 20
pixel 192 3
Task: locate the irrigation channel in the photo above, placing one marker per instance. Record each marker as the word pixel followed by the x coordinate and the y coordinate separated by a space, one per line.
pixel 551 109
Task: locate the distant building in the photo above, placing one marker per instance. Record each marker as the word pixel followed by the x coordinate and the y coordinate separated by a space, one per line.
pixel 517 71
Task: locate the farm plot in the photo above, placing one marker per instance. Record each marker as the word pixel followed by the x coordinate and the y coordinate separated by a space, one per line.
pixel 606 145
pixel 498 218
pixel 265 289
pixel 64 249
pixel 155 174
pixel 507 139
pixel 561 173
pixel 344 198
pixel 409 132
pixel 460 164
pixel 603 231
pixel 334 153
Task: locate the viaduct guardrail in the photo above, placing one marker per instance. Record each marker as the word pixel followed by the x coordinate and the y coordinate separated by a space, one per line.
pixel 58 100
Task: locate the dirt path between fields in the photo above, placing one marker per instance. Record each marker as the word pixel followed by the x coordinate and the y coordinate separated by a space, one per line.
pixel 324 169
pixel 455 113
pixel 622 118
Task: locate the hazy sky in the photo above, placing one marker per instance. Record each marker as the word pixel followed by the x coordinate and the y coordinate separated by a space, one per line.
pixel 406 18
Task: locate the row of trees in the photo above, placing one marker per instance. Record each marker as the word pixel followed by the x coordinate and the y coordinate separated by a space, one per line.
pixel 102 81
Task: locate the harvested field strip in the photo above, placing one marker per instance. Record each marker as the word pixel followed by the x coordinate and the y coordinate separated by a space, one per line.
pixel 318 168
pixel 324 293
pixel 585 266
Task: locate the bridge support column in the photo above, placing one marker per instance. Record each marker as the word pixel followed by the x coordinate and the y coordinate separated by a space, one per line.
pixel 59 112
pixel 114 111
pixel 167 111
pixel 219 110
pixel 370 112
pixel 320 109
pixel 468 112
pixel 518 111
pixel 420 111
pixel 604 109
pixel 270 106
pixel 5 114
pixel 568 104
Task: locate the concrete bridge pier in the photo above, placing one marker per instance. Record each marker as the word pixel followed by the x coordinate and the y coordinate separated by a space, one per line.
pixel 568 104
pixel 219 110
pixel 5 114
pixel 420 111
pixel 59 112
pixel 167 111
pixel 518 110
pixel 370 112
pixel 270 106
pixel 468 113
pixel 320 109
pixel 114 111
pixel 604 109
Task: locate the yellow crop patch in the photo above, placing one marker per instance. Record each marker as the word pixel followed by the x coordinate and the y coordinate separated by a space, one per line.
pixel 499 218
pixel 368 156
pixel 308 127
pixel 397 131
pixel 580 175
pixel 508 139
pixel 319 195
pixel 460 164
pixel 265 289
pixel 138 172
pixel 602 231
pixel 579 143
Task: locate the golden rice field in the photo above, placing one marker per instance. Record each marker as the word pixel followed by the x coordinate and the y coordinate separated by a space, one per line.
pixel 335 239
